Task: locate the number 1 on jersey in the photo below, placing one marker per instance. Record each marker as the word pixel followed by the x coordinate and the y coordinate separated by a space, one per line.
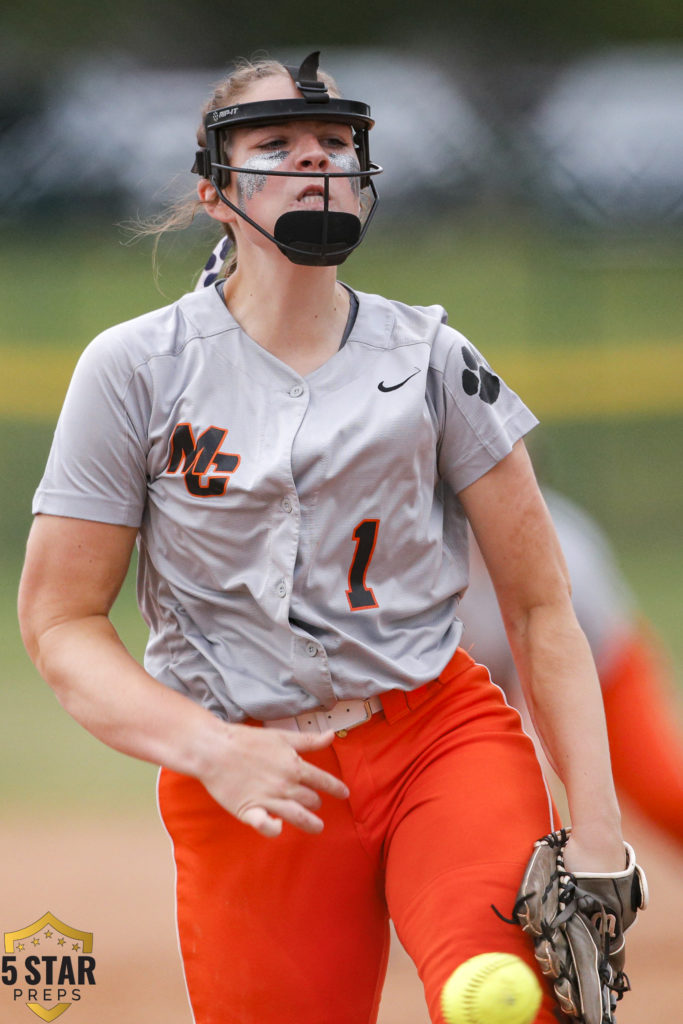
pixel 365 536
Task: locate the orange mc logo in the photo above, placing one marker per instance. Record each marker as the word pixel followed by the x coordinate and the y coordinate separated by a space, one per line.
pixel 46 965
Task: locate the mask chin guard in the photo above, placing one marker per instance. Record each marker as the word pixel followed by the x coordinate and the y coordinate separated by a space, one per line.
pixel 315 237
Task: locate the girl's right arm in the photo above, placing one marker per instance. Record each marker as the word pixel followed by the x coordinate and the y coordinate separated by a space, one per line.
pixel 73 572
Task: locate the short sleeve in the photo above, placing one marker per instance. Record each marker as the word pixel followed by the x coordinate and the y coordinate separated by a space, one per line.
pixel 481 417
pixel 97 464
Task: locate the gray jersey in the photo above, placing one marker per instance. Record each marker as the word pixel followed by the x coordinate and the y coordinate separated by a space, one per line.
pixel 300 538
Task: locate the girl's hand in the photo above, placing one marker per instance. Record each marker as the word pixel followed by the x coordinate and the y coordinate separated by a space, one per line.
pixel 260 777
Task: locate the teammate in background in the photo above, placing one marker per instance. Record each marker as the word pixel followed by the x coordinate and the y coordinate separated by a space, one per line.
pixel 645 742
pixel 297 463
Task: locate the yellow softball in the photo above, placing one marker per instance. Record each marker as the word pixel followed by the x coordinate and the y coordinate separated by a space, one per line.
pixel 492 988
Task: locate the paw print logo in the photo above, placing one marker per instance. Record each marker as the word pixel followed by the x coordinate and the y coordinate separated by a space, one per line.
pixel 477 379
pixel 214 263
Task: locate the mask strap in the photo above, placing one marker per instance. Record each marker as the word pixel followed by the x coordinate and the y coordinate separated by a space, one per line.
pixel 306 79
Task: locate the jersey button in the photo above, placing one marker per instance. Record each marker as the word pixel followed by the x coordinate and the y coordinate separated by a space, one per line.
pixel 296 391
pixel 286 505
pixel 311 650
pixel 281 588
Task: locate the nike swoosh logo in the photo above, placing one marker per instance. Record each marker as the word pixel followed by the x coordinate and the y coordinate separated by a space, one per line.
pixel 392 387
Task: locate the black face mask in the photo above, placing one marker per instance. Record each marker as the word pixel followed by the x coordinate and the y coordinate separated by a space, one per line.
pixel 317 238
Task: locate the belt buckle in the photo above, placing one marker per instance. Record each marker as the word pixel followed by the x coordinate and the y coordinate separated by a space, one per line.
pixel 368 715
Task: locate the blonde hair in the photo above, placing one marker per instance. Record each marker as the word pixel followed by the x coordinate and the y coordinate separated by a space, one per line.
pixel 182 212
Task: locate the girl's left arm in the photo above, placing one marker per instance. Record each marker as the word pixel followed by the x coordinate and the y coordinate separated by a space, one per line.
pixel 518 542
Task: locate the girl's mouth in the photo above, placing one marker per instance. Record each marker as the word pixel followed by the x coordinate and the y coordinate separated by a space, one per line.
pixel 312 195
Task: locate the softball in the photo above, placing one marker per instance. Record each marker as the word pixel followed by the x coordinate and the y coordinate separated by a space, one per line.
pixel 492 988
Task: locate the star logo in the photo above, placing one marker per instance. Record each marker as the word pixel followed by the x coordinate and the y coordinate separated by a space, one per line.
pixel 39 971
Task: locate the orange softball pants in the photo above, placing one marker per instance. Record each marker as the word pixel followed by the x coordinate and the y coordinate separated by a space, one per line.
pixel 641 712
pixel 447 798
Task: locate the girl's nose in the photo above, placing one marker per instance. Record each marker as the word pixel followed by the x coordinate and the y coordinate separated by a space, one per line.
pixel 310 155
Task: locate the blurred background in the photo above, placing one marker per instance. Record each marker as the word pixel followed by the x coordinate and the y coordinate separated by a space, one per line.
pixel 533 185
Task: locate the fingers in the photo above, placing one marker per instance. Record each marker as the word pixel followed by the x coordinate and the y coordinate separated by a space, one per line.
pixel 323 782
pixel 264 781
pixel 295 814
pixel 300 793
pixel 310 740
pixel 263 822
pixel 306 797
pixel 312 776
pixel 269 822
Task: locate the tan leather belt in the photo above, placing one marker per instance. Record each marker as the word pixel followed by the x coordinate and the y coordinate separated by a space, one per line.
pixel 340 718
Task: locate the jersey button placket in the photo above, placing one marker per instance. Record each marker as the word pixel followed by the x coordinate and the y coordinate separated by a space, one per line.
pixel 286 503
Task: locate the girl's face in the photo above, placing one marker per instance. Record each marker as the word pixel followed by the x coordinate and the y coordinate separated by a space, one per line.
pixel 297 146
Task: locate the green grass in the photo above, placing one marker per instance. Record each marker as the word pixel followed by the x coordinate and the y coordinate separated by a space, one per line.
pixel 626 473
pixel 81 283
pixel 47 760
pixel 515 285
pixel 510 288
pixel 509 284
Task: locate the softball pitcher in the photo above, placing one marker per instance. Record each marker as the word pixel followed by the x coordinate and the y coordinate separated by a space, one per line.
pixel 297 463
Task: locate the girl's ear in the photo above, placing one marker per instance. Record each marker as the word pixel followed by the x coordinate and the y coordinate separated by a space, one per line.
pixel 212 204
